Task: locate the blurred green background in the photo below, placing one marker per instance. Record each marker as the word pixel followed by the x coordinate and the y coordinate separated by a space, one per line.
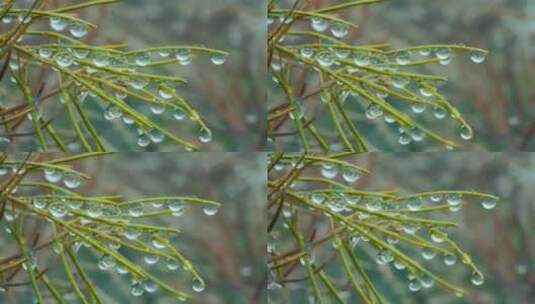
pixel 228 249
pixel 230 98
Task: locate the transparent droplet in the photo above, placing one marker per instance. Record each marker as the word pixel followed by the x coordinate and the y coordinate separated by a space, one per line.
pixel 72 181
pixel 150 286
pixel 329 170
pixel 478 56
pixel 403 58
pixel 319 24
pixel 404 138
pixel 157 108
pixel 58 209
pixel 317 198
pixel 450 259
pixel 156 136
pixel 414 204
pixel 418 108
pixel 137 289
pixel 57 23
pixel 218 59
pixel 415 285
pixel 477 278
pixel 135 210
pixel 151 259
pixel 210 210
pixel 350 175
pixel 198 285
pixel 45 52
pixel 39 203
pixel 143 140
pixel 178 114
pixel 142 59
pixel 63 59
pixel 325 59
pixel 488 204
pixel 339 30
pixel 52 175
pixel 307 52
pixel 417 134
pixel 205 135
pixel 172 264
pixel 77 29
pixel 428 253
pixel 183 55
pixel 374 111
pixel 443 53
pixel 427 281
pixel 466 132
pixel 439 112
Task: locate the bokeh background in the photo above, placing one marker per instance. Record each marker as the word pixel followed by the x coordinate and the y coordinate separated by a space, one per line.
pixel 228 249
pixel 499 241
pixel 230 97
pixel 497 98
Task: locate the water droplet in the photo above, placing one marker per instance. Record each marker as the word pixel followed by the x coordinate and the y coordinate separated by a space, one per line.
pixel 106 262
pixel 450 259
pixel 205 135
pixel 150 286
pixel 339 30
pixel 399 82
pixel 427 281
pixel 151 259
pixel 428 253
pixel 418 108
pixel 183 55
pixel 142 59
pixel 176 207
pixel 156 136
pixel 439 112
pixel 404 138
pixel 361 59
pixel 72 181
pixel 414 204
pixel 45 52
pixel 52 175
pixel 218 59
pixel 415 285
pixel 443 53
pixel 39 203
pixel 137 289
pixel 425 91
pixel 417 134
pixel 374 111
pixel 7 19
pixel 135 210
pixel 77 29
pixel 350 175
pixel 58 209
pixel 488 204
pixel 307 52
pixel 178 114
pixel 143 140
pixel 325 59
pixel 329 170
pixel 477 278
pixel 319 24
pixel 198 285
pixel 57 23
pixel 157 108
pixel 210 210
pixel 63 59
pixel 466 132
pixel 478 56
pixel 403 58
pixel 172 264
pixel 425 52
pixel 399 265
pixel 317 198
pixel 138 83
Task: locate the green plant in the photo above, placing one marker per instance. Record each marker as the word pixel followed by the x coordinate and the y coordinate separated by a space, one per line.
pixel 322 230
pixel 86 79
pixel 308 66
pixel 120 232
